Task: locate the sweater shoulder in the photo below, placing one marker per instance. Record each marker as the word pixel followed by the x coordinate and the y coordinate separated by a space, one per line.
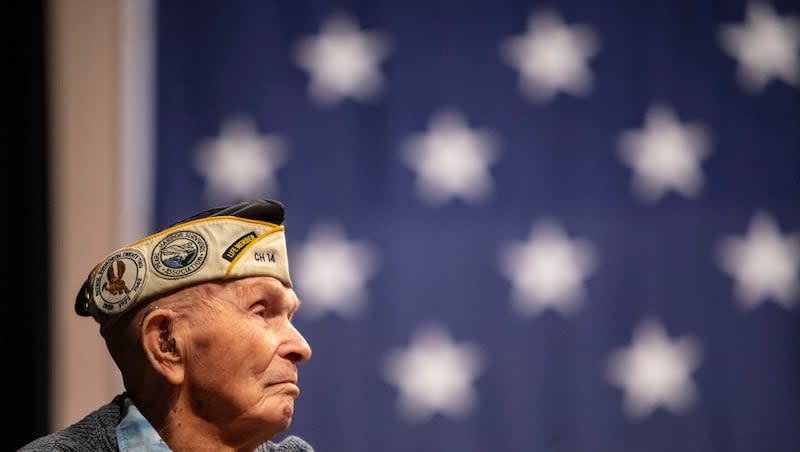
pixel 290 444
pixel 54 442
pixel 95 432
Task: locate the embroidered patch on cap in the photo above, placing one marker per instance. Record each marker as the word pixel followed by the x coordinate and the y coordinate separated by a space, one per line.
pixel 119 280
pixel 179 254
pixel 237 246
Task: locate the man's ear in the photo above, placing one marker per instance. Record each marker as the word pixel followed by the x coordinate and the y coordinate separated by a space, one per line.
pixel 160 346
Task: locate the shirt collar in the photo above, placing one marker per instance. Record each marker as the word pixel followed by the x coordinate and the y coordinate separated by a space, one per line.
pixel 134 433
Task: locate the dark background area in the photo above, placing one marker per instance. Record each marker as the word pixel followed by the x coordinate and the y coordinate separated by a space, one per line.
pixel 26 270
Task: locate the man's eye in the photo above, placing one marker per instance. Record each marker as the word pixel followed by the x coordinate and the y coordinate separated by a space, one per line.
pixel 260 310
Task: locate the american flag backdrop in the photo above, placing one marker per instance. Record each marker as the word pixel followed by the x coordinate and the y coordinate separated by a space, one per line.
pixel 514 226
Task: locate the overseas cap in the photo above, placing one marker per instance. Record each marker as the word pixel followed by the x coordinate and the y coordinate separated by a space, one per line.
pixel 244 239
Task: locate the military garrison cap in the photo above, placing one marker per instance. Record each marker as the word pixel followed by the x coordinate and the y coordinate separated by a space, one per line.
pixel 245 239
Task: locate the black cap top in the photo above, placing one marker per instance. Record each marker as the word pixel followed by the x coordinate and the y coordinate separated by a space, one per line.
pixel 259 209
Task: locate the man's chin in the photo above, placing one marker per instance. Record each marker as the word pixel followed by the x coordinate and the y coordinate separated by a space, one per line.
pixel 285 419
pixel 282 424
pixel 277 411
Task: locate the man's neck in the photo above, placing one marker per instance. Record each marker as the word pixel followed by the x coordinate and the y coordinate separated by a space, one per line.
pixel 183 430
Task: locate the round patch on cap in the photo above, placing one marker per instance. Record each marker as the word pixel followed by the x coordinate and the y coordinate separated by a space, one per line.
pixel 119 280
pixel 179 254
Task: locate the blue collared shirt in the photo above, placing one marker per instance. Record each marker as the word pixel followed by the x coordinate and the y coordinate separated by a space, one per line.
pixel 135 434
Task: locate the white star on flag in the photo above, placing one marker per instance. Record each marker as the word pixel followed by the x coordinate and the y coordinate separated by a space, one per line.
pixel 764 263
pixel 552 56
pixel 766 47
pixel 331 272
pixel 434 374
pixel 655 371
pixel 665 155
pixel 240 163
pixel 342 61
pixel 451 160
pixel 547 271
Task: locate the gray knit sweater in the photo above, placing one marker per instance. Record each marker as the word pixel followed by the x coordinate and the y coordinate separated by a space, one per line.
pixel 97 432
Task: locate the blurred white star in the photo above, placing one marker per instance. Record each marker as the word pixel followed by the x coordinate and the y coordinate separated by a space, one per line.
pixel 434 374
pixel 342 61
pixel 655 371
pixel 665 155
pixel 240 163
pixel 451 160
pixel 552 56
pixel 764 263
pixel 766 46
pixel 331 272
pixel 547 271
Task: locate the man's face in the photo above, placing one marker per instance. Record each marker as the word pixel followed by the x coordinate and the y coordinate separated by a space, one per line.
pixel 241 356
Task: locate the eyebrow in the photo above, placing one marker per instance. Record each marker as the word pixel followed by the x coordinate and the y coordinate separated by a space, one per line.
pixel 269 292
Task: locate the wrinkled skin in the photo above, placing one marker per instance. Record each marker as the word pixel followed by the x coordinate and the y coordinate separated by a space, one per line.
pixel 241 356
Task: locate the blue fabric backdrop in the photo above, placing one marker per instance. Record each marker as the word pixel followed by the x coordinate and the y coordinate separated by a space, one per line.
pixel 525 260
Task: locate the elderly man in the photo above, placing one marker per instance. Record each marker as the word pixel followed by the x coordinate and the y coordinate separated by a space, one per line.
pixel 198 319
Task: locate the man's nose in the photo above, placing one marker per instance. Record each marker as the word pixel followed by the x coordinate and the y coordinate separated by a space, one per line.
pixel 295 348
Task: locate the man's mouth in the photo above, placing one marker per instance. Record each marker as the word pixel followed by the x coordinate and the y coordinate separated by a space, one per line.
pixel 288 387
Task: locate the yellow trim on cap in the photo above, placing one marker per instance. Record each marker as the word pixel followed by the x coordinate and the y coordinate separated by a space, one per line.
pixel 205 220
pixel 244 250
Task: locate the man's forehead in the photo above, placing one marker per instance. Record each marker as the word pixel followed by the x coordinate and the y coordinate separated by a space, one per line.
pixel 269 287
